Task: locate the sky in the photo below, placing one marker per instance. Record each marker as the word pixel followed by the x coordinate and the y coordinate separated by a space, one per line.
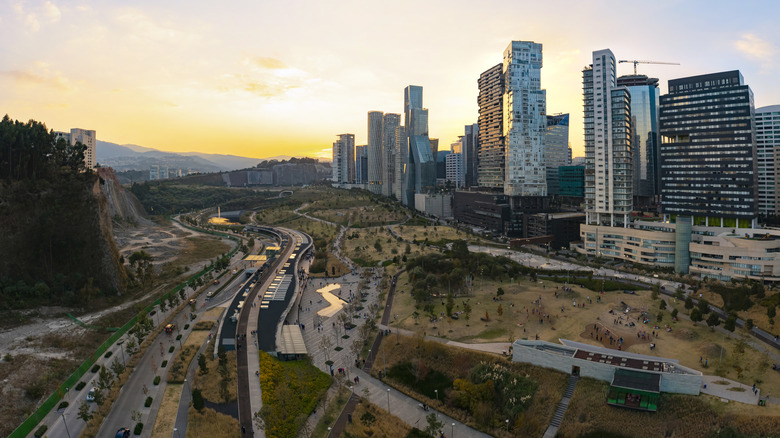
pixel 264 78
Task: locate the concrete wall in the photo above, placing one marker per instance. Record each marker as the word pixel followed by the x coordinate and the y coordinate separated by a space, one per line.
pixel 670 382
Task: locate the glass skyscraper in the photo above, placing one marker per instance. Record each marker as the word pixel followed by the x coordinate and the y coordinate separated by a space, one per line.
pixel 768 143
pixel 556 149
pixel 644 116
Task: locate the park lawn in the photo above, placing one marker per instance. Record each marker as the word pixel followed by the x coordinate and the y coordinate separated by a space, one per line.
pixel 316 229
pixel 166 416
pixel 369 419
pixel 361 216
pixel 211 423
pixel 678 416
pixel 360 243
pixel 434 233
pixel 209 382
pixel 201 248
pixel 686 342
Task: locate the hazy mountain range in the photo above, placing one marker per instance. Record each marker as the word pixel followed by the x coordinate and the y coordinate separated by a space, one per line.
pixel 134 157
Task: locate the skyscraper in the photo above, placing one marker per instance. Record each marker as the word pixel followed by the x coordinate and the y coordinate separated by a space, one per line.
pixel 89 139
pixel 708 150
pixel 644 116
pixel 556 150
pixel 524 107
pixel 434 148
pixel 768 150
pixel 375 151
pixel 415 125
pixel 470 148
pixel 401 158
pixel 344 159
pixel 361 164
pixel 608 161
pixel 491 128
pixel 390 124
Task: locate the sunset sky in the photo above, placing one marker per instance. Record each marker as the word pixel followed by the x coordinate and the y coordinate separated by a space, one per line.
pixel 263 78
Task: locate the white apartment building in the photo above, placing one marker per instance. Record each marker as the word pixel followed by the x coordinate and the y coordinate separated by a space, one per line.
pixel 768 148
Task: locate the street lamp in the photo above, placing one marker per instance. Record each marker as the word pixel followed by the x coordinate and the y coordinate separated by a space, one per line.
pixel 65 423
pixel 176 432
pixel 452 434
pixel 437 395
pixel 187 385
pixel 507 425
pixel 388 400
pixel 123 351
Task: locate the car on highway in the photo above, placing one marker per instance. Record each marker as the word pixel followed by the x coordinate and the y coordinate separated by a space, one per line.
pixel 91 395
pixel 170 328
pixel 123 432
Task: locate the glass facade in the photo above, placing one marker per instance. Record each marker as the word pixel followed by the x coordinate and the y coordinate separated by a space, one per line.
pixel 708 147
pixel 644 116
pixel 556 150
pixel 768 148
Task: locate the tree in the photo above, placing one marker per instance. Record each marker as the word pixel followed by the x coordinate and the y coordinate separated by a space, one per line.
pixel 696 315
pixel 731 322
pixel 749 324
pixel 204 369
pixel 499 292
pixel 689 303
pixel 197 400
pixel 656 290
pixel 85 412
pixel 674 313
pixel 467 312
pixel 713 320
pixel 678 293
pixel 368 419
pixel 117 367
pixel 487 316
pixel 662 306
pixel 434 425
pixel 144 270
pixel 500 311
pixel 105 379
pixel 704 306
pixel 163 307
pixel 450 304
pixel 771 311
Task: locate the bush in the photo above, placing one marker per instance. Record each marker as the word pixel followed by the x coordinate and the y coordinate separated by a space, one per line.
pixel 164 364
pixel 148 402
pixel 80 386
pixel 178 337
pixel 41 430
pixel 156 380
pixel 139 427
pixel 108 354
pixel 95 368
pixel 186 326
pixel 170 350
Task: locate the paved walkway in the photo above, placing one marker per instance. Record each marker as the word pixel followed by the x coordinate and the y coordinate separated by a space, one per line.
pixel 731 390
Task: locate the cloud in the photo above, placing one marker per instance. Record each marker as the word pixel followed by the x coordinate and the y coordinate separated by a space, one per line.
pixel 52 12
pixel 32 23
pixel 40 76
pixel 754 47
pixel 269 63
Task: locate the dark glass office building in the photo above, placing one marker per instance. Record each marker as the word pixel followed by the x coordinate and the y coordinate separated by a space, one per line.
pixel 644 119
pixel 708 150
pixel 491 128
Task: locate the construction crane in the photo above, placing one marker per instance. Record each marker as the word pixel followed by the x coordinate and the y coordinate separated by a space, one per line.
pixel 635 62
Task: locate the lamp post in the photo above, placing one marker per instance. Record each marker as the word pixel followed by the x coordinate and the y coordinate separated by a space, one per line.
pixel 123 351
pixel 65 423
pixel 388 400
pixel 384 363
pixel 176 432
pixel 507 425
pixel 452 434
pixel 437 395
pixel 187 385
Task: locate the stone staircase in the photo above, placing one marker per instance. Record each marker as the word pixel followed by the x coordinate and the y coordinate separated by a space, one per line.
pixel 552 430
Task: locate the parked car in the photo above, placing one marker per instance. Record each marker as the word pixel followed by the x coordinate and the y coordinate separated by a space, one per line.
pixel 91 395
pixel 123 432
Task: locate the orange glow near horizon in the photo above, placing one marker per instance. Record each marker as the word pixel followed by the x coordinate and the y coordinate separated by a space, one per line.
pixel 284 78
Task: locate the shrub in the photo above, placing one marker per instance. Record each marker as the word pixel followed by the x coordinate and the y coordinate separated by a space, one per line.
pixel 156 380
pixel 80 386
pixel 95 368
pixel 178 337
pixel 148 402
pixel 108 354
pixel 164 364
pixel 186 326
pixel 170 350
pixel 41 430
pixel 139 427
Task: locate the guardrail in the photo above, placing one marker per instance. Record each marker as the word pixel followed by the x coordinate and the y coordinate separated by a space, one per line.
pixel 32 421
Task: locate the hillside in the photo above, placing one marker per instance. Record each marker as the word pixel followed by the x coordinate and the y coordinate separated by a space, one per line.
pixel 56 244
